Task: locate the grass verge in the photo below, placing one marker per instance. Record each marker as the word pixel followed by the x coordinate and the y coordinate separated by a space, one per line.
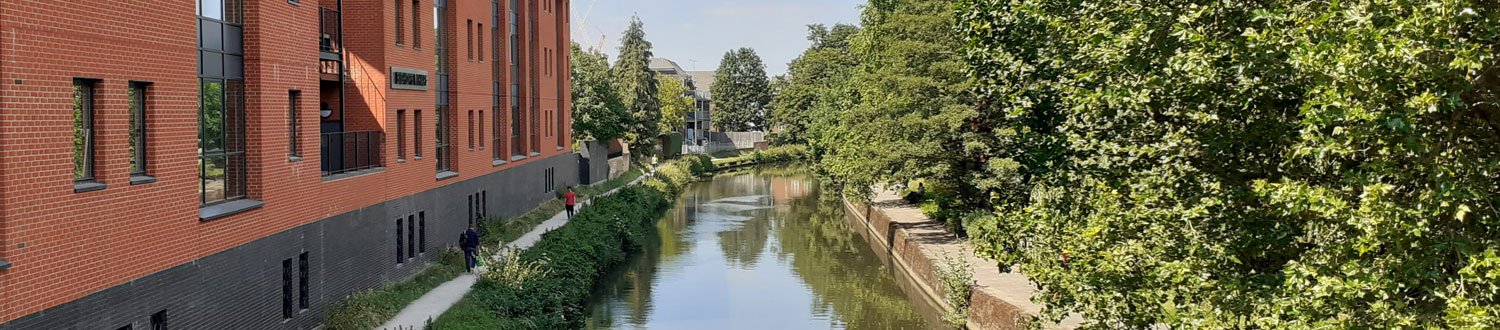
pixel 369 309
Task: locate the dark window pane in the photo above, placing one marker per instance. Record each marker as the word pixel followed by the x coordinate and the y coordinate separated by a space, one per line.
pixel 210 64
pixel 211 35
pixel 302 287
pixel 234 176
pixel 233 39
pixel 286 288
pixel 234 66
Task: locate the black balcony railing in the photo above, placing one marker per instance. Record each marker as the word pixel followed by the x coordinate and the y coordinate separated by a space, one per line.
pixel 345 152
pixel 332 33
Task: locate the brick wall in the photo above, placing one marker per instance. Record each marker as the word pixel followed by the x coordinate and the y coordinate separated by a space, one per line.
pixel 104 239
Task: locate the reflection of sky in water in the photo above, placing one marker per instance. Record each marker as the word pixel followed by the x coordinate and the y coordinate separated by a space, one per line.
pixel 728 270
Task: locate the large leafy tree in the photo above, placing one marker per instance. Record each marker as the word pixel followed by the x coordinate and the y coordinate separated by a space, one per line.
pixel 741 91
pixel 675 102
pixel 598 112
pixel 898 113
pixel 637 85
pixel 810 79
pixel 1242 164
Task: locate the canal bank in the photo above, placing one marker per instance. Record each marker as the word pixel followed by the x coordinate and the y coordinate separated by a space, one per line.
pixel 916 245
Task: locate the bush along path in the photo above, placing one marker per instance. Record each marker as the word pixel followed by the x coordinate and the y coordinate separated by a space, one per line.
pixel 432 304
pixel 545 287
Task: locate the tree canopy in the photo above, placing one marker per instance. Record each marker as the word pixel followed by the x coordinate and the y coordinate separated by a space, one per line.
pixel 636 83
pixel 741 91
pixel 810 80
pixel 675 102
pixel 1242 164
pixel 598 112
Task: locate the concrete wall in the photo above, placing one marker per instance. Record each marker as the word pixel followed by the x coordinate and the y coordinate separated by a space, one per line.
pixel 240 288
pixel 739 140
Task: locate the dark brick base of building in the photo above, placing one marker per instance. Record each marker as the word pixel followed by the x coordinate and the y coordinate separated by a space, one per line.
pixel 242 288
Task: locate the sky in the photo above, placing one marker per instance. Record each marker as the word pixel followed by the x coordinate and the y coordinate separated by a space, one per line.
pixel 696 33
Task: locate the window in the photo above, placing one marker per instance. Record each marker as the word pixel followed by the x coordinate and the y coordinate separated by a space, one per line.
pixel 411 239
pixel 481 129
pixel 422 226
pixel 400 249
pixel 159 321
pixel 127 327
pixel 470 43
pixel 303 301
pixel 416 24
pixel 222 141
pixel 293 127
pixel 471 130
pixel 138 128
pixel 400 23
pixel 480 41
pixel 401 134
pixel 444 138
pixel 484 204
pixel 83 129
pixel 286 288
pixel 416 130
pixel 223 171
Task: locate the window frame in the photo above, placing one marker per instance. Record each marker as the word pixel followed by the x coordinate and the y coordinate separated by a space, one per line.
pixel 400 23
pixel 139 95
pixel 85 98
pixel 286 289
pixel 294 126
pixel 304 287
pixel 400 134
pixel 416 24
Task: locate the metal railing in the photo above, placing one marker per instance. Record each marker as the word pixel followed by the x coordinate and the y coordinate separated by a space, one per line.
pixel 345 152
pixel 332 34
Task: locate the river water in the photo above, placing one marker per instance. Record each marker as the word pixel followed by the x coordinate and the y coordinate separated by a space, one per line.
pixel 757 250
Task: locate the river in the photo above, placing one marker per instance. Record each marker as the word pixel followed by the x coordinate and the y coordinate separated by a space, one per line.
pixel 762 249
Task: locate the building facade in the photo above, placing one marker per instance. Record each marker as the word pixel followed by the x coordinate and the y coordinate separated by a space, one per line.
pixel 245 164
pixel 695 127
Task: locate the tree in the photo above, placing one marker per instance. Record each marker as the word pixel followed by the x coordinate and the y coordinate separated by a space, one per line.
pixel 598 112
pixel 636 83
pixel 741 91
pixel 675 103
pixel 1242 164
pixel 898 113
pixel 819 70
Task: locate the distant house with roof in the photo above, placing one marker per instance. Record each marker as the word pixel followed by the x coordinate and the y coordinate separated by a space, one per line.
pixel 698 84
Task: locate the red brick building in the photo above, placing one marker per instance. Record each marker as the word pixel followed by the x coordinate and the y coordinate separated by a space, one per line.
pixel 243 164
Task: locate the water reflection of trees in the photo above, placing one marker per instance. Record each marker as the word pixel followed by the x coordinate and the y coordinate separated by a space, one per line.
pixel 838 266
pixel 846 279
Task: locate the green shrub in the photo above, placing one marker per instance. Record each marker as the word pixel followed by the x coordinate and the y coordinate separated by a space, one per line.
pixel 576 255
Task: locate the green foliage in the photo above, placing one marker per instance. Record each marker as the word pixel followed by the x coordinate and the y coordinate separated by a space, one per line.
pixel 778 154
pixel 576 255
pixel 370 309
pixel 741 91
pixel 637 86
pixel 897 113
pixel 1241 164
pixel 672 176
pixel 675 103
pixel 598 112
pixel 956 279
pixel 810 79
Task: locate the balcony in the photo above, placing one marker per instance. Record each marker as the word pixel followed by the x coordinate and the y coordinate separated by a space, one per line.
pixel 352 152
pixel 332 41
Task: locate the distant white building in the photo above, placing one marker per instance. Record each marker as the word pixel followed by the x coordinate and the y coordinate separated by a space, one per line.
pixel 698 84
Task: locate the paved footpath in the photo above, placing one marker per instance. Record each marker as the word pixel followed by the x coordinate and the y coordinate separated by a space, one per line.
pixel 416 315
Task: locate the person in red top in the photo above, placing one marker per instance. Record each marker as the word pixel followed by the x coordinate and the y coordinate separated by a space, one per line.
pixel 570 199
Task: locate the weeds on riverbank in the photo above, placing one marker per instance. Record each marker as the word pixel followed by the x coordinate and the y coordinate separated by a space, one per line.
pixel 957 280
